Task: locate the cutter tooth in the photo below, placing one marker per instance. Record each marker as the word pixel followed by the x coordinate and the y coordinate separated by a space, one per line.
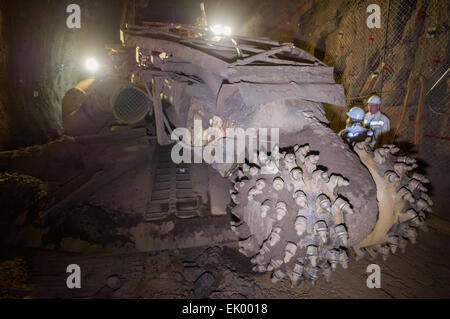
pixel 401 168
pixel 278 275
pixel 422 225
pixel 281 210
pixel 312 254
pixel 406 160
pixel 421 178
pixel 300 199
pixel 393 248
pixel 341 232
pixel 408 215
pixel 335 181
pixel 241 230
pixel 260 184
pixel 392 148
pixel 235 212
pixel 362 146
pixel 239 185
pixel 259 268
pixel 416 184
pixel 265 208
pixel 300 225
pixel 236 224
pixel 271 167
pixel 254 171
pixel 423 205
pixel 278 183
pixel 411 234
pixel 321 229
pixel 380 155
pixel 333 258
pixel 296 174
pixel 252 192
pixel 324 203
pixel 311 163
pixel 391 177
pixel 248 245
pixel 384 251
pixel 341 205
pixel 274 237
pixel 234 199
pixel 326 272
pixel 426 198
pixel 258 259
pixel 264 249
pixel 289 252
pixel 290 158
pixel 405 193
pixel 313 274
pixel 274 264
pixel 393 241
pixel 320 176
pixel 301 152
pixel 296 276
pixel 298 269
pixel 417 222
pixel 343 259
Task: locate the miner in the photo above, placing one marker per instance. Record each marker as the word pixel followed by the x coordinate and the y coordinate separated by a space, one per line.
pixel 354 131
pixel 374 119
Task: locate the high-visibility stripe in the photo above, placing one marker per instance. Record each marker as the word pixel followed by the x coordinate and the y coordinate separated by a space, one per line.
pixel 376 123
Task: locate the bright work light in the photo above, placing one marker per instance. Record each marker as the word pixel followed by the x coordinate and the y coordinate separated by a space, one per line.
pixel 91 64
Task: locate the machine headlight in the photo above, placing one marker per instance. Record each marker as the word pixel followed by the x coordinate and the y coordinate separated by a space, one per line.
pixel 91 64
pixel 219 30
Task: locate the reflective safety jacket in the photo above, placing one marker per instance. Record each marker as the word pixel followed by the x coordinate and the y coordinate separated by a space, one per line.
pixel 378 122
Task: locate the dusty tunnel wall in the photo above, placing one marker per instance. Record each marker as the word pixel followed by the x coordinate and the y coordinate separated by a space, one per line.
pixel 413 40
pixel 41 58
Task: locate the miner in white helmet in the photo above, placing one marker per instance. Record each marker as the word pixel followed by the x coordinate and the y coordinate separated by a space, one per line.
pixel 374 119
pixel 354 132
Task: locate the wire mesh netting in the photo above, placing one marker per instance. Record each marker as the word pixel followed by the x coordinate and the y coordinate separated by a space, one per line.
pixel 412 40
pixel 410 49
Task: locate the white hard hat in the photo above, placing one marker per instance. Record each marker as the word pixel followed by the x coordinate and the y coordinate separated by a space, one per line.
pixel 374 99
pixel 356 113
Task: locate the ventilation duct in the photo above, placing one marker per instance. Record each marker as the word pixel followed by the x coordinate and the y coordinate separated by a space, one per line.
pixel 95 104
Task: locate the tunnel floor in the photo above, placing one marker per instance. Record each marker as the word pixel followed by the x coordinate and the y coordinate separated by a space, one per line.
pixel 222 272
